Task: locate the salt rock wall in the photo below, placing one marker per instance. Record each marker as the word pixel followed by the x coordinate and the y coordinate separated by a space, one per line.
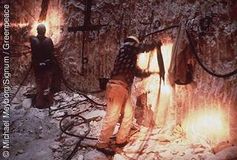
pixel 218 43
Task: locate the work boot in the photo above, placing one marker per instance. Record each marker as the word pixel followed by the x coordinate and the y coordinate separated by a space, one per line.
pixel 102 145
pixel 121 145
pixel 118 147
pixel 105 148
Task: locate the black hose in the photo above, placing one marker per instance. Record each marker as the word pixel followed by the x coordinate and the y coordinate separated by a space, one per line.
pixel 22 82
pixel 84 121
pixel 202 65
pixel 162 30
pixel 82 137
pixel 74 90
pixel 83 94
pixel 74 151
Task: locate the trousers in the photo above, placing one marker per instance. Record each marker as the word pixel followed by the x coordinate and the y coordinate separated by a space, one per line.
pixel 44 97
pixel 118 104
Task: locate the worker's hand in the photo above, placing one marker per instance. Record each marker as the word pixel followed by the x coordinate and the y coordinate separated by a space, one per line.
pixel 150 73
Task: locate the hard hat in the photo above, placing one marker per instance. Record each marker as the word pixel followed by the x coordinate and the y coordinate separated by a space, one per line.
pixel 41 29
pixel 132 38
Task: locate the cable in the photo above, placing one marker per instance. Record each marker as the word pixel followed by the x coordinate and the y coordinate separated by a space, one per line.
pixel 22 82
pixel 79 92
pixel 74 151
pixel 202 65
pixel 162 30
pixel 64 130
pixel 82 137
pixel 73 90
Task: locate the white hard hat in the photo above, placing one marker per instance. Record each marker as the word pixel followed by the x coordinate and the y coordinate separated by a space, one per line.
pixel 133 38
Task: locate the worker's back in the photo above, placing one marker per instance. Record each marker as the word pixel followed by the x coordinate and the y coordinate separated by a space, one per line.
pixel 42 51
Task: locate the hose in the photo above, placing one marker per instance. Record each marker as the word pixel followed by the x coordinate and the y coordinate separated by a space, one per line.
pixel 21 84
pixel 74 90
pixel 158 31
pixel 202 65
pixel 81 137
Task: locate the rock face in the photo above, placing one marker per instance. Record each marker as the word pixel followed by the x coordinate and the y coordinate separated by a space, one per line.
pixel 123 19
pixel 217 45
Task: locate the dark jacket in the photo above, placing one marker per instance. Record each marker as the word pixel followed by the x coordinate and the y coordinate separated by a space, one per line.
pixel 125 64
pixel 42 52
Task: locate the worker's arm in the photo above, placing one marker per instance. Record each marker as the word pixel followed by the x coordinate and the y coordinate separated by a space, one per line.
pixel 145 48
pixel 149 47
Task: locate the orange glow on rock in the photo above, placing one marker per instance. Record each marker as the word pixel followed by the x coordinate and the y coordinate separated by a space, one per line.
pixel 207 124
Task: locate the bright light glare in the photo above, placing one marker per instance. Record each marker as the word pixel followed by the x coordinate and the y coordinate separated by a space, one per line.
pixel 209 124
pixel 53 25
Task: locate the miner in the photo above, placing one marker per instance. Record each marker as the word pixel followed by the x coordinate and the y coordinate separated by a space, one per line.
pixel 118 93
pixel 42 49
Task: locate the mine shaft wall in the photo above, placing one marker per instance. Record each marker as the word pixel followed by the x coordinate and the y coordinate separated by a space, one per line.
pixel 122 18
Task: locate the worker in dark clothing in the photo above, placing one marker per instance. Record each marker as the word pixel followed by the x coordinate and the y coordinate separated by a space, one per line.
pixel 42 60
pixel 118 93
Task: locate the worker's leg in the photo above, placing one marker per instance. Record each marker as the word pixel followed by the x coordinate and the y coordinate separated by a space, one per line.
pixel 43 81
pixel 48 94
pixel 115 98
pixel 126 122
pixel 39 88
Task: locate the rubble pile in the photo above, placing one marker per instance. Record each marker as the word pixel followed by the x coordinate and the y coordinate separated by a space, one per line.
pixel 35 134
pixel 152 144
pixel 32 130
pixel 70 108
